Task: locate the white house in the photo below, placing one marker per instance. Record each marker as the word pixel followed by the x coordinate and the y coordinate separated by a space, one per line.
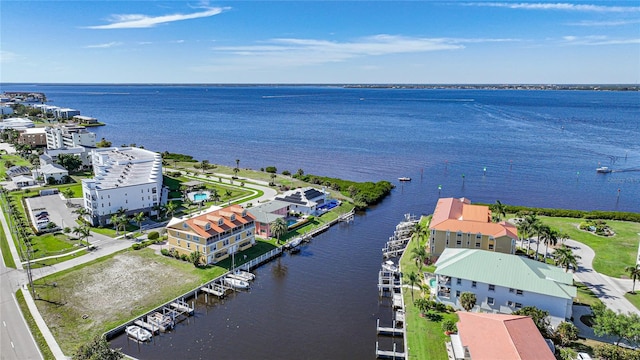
pixel 124 178
pixel 51 156
pixel 6 110
pixel 55 171
pixel 503 283
pixel 23 180
pixel 304 200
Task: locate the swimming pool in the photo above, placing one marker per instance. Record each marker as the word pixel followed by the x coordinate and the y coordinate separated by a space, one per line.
pixel 291 222
pixel 199 196
pixel 432 283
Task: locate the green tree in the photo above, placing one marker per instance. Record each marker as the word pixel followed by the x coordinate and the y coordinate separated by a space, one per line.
pixel 81 212
pixel 412 280
pixel 103 143
pixel 468 300
pixel 565 257
pixel 83 233
pixel 566 332
pixel 273 179
pixel 568 354
pixel 170 208
pixel 540 318
pixel 70 162
pixel 540 229
pixel 634 274
pixel 529 226
pixel 621 326
pixel 204 165
pixel 300 172
pixel 115 221
pixel 157 208
pixel 194 258
pixel 278 228
pixel 68 194
pixel 549 238
pixel 139 218
pixel 97 349
pixel 419 255
pixel 498 211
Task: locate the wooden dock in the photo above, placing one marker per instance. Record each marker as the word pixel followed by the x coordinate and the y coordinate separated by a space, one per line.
pixel 390 331
pixel 182 307
pixel 397 301
pixel 215 289
pixel 385 354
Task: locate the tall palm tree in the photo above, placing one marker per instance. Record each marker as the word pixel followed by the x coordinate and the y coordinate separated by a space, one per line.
pixel 115 221
pixel 83 233
pixel 539 229
pixel 237 168
pixel 420 232
pixel 529 226
pixel 204 165
pixel 498 211
pixel 158 209
pixel 550 238
pixel 565 257
pixel 170 208
pixel 139 218
pixel 419 255
pixel 81 212
pixel 215 195
pixel 278 228
pixel 412 280
pixel 68 194
pixel 634 273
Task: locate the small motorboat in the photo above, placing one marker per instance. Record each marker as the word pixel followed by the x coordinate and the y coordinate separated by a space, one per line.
pixel 244 275
pixel 236 283
pixel 295 242
pixel 138 333
pixel 404 178
pixel 603 170
pixel 390 267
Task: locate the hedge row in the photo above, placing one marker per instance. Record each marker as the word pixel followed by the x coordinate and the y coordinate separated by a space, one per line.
pixel 613 352
pixel 580 214
pixel 369 193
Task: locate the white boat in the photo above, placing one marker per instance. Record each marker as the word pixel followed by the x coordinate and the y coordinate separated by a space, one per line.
pixel 138 333
pixel 236 283
pixel 404 178
pixel 295 242
pixel 244 275
pixel 603 170
pixel 390 266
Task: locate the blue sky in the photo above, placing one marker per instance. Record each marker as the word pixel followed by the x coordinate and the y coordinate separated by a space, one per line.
pixel 320 42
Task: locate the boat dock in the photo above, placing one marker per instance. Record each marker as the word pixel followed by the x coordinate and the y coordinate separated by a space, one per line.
pixel 215 289
pixel 385 354
pixel 152 328
pixel 388 282
pixel 391 331
pixel 182 307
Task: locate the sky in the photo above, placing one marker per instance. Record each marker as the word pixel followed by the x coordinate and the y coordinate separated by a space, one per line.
pixel 298 42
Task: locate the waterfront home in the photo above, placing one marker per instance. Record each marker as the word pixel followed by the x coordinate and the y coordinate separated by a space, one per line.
pixel 503 283
pixel 50 156
pixel 66 113
pixel 33 136
pixel 50 173
pixel 304 200
pixel 69 136
pixel 87 120
pixel 216 234
pixel 267 213
pixel 126 178
pixel 458 224
pixel 497 336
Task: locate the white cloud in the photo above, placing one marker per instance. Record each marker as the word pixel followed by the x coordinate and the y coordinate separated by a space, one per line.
pixel 131 21
pixel 558 6
pixel 104 46
pixel 7 56
pixel 605 23
pixel 596 40
pixel 306 51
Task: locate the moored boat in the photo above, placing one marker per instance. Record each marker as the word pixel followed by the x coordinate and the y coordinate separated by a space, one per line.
pixel 404 178
pixel 236 283
pixel 244 275
pixel 390 267
pixel 138 333
pixel 603 170
pixel 163 322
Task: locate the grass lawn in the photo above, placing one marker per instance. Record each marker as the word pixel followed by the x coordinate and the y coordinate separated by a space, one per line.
pixel 6 252
pixel 614 253
pixel 50 262
pixel 51 244
pixel 35 331
pixel 425 337
pixel 585 296
pixel 634 298
pixel 317 221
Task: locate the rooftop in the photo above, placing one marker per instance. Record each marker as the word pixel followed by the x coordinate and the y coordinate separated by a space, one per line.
pixel 510 271
pixel 214 222
pixel 117 167
pixel 459 215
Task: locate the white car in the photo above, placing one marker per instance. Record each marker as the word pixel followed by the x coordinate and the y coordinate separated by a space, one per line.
pixel 583 356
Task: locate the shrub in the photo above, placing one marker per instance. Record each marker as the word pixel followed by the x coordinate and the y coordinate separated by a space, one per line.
pixel 271 169
pixel 136 246
pixel 165 252
pixel 153 235
pixel 286 173
pixel 184 257
pixel 449 325
pixel 613 352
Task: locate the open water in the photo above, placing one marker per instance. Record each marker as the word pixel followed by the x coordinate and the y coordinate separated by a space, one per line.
pixel 539 148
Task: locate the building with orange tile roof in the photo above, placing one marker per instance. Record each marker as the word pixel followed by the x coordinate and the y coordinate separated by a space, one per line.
pixel 458 224
pixel 497 336
pixel 216 234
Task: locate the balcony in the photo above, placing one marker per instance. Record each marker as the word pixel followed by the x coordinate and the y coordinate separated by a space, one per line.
pixel 444 280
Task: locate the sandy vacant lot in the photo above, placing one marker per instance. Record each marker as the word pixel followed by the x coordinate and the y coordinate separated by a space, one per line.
pixel 87 301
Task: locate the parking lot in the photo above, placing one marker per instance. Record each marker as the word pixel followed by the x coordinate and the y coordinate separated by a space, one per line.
pixel 56 207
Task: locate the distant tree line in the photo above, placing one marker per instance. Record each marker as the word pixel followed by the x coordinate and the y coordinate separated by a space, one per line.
pixel 580 214
pixel 362 193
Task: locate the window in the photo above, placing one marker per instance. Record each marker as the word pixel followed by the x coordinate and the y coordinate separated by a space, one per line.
pixel 458 281
pixel 457 293
pixel 188 245
pixel 492 287
pixel 519 292
pixel 490 246
pixel 510 303
pixel 473 284
pixel 225 242
pixel 512 290
pixel 478 236
pixel 477 245
pixel 458 242
pixel 178 241
pixel 518 306
pixel 238 237
pixel 490 301
pixel 188 237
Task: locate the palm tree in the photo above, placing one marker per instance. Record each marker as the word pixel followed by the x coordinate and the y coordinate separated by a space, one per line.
pixel 273 179
pixel 278 228
pixel 215 195
pixel 468 300
pixel 419 255
pixel 83 233
pixel 139 218
pixel 540 229
pixel 412 280
pixel 171 208
pixel 498 211
pixel 530 222
pixel 158 209
pixel 68 194
pixel 204 165
pixel 81 212
pixel 237 168
pixel 565 257
pixel 634 273
pixel 115 221
pixel 550 238
pixel 420 232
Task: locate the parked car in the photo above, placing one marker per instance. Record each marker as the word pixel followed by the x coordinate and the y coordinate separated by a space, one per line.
pixel 583 356
pixel 42 213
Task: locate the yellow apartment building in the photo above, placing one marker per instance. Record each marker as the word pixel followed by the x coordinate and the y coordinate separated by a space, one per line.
pixel 458 224
pixel 215 234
